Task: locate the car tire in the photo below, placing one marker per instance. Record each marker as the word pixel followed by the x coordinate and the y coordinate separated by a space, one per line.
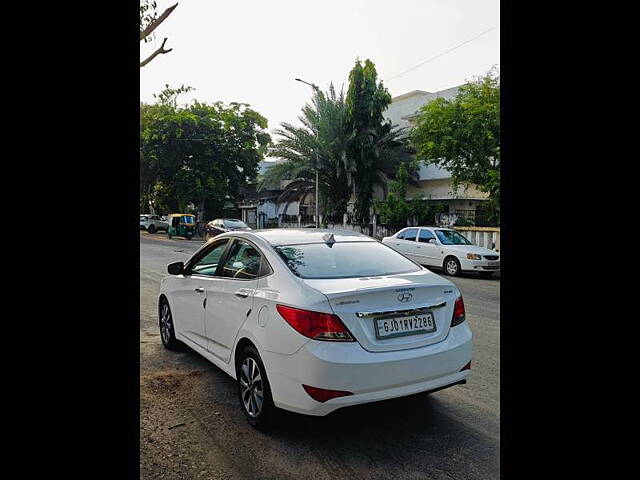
pixel 151 229
pixel 451 266
pixel 167 331
pixel 253 381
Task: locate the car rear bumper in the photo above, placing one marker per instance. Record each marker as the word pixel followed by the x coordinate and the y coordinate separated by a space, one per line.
pixel 371 376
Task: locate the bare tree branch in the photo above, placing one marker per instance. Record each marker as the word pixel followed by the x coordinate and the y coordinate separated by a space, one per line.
pixel 153 25
pixel 156 53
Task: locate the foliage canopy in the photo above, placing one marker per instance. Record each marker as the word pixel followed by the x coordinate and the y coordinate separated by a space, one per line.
pixel 197 153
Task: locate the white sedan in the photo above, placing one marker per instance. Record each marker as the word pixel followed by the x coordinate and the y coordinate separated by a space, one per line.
pixel 444 248
pixel 314 320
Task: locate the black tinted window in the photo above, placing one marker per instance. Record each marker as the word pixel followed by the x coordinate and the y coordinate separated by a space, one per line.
pixel 234 224
pixel 344 259
pixel 425 235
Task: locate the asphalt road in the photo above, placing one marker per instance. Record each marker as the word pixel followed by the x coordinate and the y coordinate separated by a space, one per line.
pixel 192 427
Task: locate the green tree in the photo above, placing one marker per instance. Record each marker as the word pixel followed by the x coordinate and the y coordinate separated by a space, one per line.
pixel 374 147
pixel 197 153
pixel 463 135
pixel 397 211
pixel 352 153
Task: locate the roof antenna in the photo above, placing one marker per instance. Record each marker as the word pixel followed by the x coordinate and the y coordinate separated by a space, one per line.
pixel 328 239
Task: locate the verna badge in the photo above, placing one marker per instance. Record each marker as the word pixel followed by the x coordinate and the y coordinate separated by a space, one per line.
pixel 405 297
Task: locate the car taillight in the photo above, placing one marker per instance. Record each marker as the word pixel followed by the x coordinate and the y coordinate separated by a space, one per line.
pixel 316 325
pixel 458 312
pixel 322 394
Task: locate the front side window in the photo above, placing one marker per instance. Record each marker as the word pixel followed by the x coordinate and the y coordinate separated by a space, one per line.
pixel 243 261
pixel 344 260
pixel 451 237
pixel 208 264
pixel 425 235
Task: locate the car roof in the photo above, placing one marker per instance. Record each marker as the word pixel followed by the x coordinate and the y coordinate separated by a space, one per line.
pixel 297 236
pixel 422 226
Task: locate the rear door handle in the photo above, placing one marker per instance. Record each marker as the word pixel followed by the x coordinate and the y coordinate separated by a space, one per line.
pixel 241 294
pixel 200 290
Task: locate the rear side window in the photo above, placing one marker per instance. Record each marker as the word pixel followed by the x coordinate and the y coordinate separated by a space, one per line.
pixel 410 234
pixel 344 260
pixel 242 262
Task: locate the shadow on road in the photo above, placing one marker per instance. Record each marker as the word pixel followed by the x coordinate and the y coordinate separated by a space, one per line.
pixel 471 275
pixel 419 436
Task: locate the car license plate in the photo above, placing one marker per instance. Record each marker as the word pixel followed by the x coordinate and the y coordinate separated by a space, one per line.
pixel 400 326
pixel 494 264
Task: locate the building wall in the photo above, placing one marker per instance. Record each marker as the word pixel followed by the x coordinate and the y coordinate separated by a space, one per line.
pixel 435 182
pixel 442 189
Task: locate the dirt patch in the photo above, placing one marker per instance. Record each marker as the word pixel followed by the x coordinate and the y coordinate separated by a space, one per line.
pixel 174 442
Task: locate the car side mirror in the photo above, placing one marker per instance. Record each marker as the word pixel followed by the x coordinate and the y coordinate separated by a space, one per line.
pixel 175 268
pixel 432 240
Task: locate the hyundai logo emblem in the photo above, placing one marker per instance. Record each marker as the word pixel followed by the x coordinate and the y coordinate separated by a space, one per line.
pixel 405 297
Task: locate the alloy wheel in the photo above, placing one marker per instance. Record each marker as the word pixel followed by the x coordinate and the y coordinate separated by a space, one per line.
pixel 452 267
pixel 251 387
pixel 165 324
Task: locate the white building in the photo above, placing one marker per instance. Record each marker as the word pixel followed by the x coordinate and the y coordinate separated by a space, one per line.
pixel 435 183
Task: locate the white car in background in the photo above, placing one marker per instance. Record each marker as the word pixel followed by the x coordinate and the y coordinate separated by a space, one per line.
pixel 444 248
pixel 312 320
pixel 152 223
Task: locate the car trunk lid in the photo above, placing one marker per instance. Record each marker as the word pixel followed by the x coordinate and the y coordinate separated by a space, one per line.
pixel 360 301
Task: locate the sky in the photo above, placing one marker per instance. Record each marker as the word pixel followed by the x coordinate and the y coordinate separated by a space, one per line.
pixel 250 51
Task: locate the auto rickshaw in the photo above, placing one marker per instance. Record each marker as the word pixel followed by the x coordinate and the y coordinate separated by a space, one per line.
pixel 181 225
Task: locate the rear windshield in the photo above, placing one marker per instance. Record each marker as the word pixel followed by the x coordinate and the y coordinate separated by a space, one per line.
pixel 344 259
pixel 234 224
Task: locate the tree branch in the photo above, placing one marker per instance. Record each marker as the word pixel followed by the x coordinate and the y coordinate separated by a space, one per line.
pixel 156 53
pixel 153 25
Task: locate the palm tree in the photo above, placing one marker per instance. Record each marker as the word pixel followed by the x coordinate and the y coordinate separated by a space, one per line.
pixel 318 143
pixel 322 142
